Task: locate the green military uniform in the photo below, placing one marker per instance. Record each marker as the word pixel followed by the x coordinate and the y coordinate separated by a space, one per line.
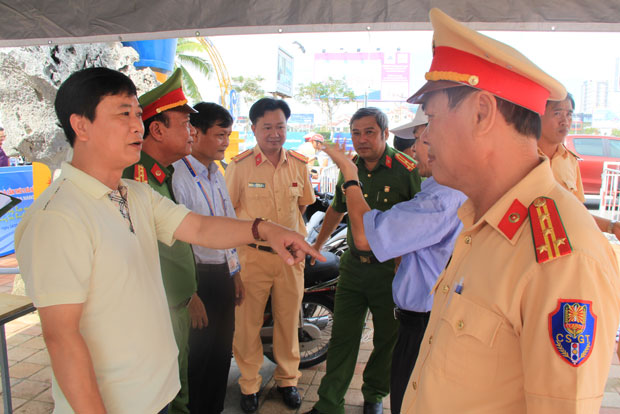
pixel 178 270
pixel 366 284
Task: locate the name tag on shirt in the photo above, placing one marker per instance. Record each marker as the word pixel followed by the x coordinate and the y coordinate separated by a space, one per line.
pixel 256 185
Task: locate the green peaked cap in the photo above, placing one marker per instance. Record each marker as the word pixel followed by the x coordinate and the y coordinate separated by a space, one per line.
pixel 166 96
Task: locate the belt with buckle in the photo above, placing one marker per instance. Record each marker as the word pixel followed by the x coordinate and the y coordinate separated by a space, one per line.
pixel 364 259
pixel 403 314
pixel 263 248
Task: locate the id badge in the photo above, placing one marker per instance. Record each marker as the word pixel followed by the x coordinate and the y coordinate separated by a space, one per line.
pixel 232 258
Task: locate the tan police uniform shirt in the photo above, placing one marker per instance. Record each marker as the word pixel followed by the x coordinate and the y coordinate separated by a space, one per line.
pixel 491 348
pixel 257 188
pixel 565 167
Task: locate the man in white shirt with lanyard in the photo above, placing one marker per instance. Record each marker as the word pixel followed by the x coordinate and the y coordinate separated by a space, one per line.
pixel 199 185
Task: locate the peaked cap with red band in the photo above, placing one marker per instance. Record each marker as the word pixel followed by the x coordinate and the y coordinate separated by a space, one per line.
pixel 166 96
pixel 462 56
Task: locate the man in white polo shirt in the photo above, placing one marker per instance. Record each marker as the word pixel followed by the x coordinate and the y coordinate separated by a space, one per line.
pixel 87 249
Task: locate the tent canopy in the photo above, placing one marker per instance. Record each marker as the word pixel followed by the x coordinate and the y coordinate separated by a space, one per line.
pixel 34 22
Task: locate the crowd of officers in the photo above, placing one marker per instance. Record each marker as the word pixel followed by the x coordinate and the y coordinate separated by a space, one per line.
pixel 464 244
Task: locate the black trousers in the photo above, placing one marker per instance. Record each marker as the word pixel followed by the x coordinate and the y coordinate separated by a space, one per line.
pixel 410 333
pixel 210 348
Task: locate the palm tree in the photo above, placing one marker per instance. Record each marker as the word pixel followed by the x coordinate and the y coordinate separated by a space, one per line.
pixel 188 56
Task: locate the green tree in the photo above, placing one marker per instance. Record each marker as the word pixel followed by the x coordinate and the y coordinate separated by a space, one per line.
pixel 188 56
pixel 591 131
pixel 327 95
pixel 615 132
pixel 249 88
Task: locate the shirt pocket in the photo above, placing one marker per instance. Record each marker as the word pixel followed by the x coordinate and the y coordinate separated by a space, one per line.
pixel 570 180
pixel 467 348
pixel 259 202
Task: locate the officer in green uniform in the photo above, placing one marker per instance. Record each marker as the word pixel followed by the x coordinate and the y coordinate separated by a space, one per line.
pixel 387 177
pixel 168 137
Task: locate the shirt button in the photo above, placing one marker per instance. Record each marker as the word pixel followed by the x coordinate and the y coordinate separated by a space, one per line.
pixel 365 195
pixel 430 340
pixel 446 288
pixel 369 175
pixel 414 385
pixel 460 324
pixel 385 200
pixel 467 239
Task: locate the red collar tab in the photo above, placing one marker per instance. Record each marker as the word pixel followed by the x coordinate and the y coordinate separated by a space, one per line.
pixel 170 100
pixel 158 173
pixel 513 219
pixel 258 158
pixel 388 161
pixel 139 173
pixel 550 239
pixel 458 66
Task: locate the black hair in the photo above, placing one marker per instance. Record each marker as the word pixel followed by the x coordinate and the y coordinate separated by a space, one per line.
pixel 263 105
pixel 380 117
pixel 402 144
pixel 569 96
pixel 83 90
pixel 210 114
pixel 525 121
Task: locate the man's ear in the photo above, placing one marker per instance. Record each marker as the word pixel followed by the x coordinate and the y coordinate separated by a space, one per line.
pixel 156 131
pixel 79 123
pixel 253 129
pixel 386 134
pixel 486 112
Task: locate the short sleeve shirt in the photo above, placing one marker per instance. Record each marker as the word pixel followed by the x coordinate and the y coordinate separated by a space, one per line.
pixel 74 246
pixel 508 334
pixel 257 188
pixel 393 180
pixel 565 167
pixel 177 261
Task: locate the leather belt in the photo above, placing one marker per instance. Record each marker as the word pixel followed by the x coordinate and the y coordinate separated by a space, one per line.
pixel 181 305
pixel 401 314
pixel 365 259
pixel 263 248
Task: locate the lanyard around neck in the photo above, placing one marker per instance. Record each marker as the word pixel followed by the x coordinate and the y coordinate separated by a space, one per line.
pixel 201 187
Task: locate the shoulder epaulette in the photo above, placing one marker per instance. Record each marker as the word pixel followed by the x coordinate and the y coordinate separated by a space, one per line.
pixel 139 173
pixel 242 156
pixel 573 154
pixel 408 163
pixel 548 233
pixel 298 156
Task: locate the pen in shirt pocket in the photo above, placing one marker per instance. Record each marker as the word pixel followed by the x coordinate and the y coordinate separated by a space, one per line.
pixel 459 287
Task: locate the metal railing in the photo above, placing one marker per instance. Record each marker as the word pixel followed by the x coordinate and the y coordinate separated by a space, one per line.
pixel 609 205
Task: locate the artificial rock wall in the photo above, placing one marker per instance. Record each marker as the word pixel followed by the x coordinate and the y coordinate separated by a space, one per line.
pixel 29 79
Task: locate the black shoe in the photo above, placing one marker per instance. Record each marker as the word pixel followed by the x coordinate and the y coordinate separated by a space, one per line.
pixel 249 402
pixel 373 408
pixel 290 396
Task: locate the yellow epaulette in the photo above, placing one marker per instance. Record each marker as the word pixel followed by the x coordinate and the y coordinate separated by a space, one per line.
pixel 139 173
pixel 573 154
pixel 245 154
pixel 408 163
pixel 548 233
pixel 298 156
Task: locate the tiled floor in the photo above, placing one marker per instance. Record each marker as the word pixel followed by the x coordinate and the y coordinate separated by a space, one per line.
pixel 30 373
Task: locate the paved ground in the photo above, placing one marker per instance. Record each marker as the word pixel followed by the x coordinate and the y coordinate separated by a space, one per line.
pixel 30 373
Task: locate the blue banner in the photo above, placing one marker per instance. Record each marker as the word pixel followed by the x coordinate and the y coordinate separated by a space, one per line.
pixel 16 182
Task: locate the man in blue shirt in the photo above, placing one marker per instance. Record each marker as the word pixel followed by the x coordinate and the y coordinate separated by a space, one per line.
pixel 423 231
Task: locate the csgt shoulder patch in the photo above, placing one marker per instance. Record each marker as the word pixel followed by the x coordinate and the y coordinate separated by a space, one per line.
pixel 572 329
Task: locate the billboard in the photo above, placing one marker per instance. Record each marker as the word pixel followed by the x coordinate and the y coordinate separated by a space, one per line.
pixel 284 78
pixel 380 76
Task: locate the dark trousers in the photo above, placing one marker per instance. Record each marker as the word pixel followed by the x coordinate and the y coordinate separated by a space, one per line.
pixel 210 348
pixel 410 333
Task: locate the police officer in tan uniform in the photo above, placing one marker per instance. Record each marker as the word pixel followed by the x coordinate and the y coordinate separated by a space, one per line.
pixel 271 183
pixel 525 314
pixel 556 123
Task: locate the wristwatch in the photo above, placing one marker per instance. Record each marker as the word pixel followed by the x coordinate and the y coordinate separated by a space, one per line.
pixel 610 227
pixel 350 183
pixel 255 228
